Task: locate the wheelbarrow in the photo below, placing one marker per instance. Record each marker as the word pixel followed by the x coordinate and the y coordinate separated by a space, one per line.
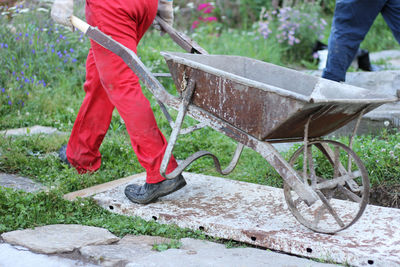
pixel 258 104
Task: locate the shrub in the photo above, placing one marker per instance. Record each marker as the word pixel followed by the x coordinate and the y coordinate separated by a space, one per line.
pixel 35 55
pixel 205 19
pixel 295 29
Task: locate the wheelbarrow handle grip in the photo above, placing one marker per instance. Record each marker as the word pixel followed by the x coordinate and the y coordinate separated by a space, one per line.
pixel 80 24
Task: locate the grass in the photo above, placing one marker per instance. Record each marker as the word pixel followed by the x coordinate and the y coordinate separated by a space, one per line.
pixel 45 88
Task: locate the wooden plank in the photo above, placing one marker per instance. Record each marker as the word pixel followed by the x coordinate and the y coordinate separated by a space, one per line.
pixel 87 192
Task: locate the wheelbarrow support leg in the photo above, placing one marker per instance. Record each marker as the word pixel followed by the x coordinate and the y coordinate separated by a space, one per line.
pixel 186 98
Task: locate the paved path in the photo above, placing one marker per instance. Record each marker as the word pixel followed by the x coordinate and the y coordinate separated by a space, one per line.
pixel 129 251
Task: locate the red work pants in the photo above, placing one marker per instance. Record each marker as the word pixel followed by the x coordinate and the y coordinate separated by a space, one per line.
pixel 111 83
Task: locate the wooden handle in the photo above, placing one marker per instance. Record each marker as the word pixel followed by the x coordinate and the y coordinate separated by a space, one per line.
pixel 79 24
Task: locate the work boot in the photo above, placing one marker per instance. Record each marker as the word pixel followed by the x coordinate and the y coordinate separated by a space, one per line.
pixel 62 154
pixel 147 193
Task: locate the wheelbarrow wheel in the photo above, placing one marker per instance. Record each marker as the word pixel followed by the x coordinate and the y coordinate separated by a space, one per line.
pixel 340 180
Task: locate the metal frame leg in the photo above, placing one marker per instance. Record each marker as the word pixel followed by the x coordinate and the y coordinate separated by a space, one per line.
pixel 187 96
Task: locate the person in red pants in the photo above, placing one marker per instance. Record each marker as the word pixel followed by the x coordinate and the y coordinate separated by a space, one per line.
pixel 111 83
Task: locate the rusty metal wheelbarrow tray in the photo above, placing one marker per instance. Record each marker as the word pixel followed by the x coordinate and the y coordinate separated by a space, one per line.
pixel 267 101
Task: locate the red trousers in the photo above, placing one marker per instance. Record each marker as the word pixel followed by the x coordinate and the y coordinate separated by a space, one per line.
pixel 111 83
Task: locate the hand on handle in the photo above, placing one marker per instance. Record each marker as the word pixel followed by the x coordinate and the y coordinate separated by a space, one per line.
pixel 166 12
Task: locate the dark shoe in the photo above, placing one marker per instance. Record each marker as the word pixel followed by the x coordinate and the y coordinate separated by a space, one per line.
pixel 62 154
pixel 147 193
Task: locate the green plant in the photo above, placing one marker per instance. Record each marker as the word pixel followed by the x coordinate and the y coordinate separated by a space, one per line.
pixel 167 245
pixel 295 29
pixel 379 37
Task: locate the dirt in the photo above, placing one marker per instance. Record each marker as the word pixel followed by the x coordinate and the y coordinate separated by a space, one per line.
pixel 385 195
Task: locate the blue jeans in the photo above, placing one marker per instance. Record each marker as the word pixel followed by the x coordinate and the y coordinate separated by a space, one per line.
pixel 351 22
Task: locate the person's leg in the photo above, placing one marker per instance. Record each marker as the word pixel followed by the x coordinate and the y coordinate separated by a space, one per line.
pixel 91 124
pixel 391 14
pixel 126 22
pixel 351 22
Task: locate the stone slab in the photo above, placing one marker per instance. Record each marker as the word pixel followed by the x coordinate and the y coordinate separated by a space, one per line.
pixel 128 249
pixel 137 251
pixel 37 129
pixel 59 238
pixel 258 215
pixel 19 183
pixel 384 55
pixel 385 116
pixel 11 256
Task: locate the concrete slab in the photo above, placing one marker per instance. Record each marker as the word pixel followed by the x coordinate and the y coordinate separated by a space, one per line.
pixel 128 249
pixel 258 215
pixel 384 55
pixel 203 253
pixel 59 238
pixel 20 257
pixel 19 183
pixel 385 116
pixel 137 251
pixel 37 129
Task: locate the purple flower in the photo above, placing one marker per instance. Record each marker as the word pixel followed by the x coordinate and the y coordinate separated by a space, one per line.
pixel 13 73
pixel 6 45
pixel 74 60
pixel 9 102
pixel 33 51
pixel 26 35
pixel 71 50
pixel 52 50
pixel 3 90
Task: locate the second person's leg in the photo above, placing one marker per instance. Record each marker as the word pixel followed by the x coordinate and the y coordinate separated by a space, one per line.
pixel 351 22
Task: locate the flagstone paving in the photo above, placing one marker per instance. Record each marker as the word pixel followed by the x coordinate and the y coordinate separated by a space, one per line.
pixel 19 183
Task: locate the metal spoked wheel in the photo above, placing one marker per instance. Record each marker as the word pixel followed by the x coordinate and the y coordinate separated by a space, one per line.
pixel 340 180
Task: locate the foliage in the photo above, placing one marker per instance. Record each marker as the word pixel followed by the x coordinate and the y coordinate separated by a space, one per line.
pixel 27 44
pixel 205 17
pixel 379 37
pixel 167 245
pixel 19 210
pixel 295 29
